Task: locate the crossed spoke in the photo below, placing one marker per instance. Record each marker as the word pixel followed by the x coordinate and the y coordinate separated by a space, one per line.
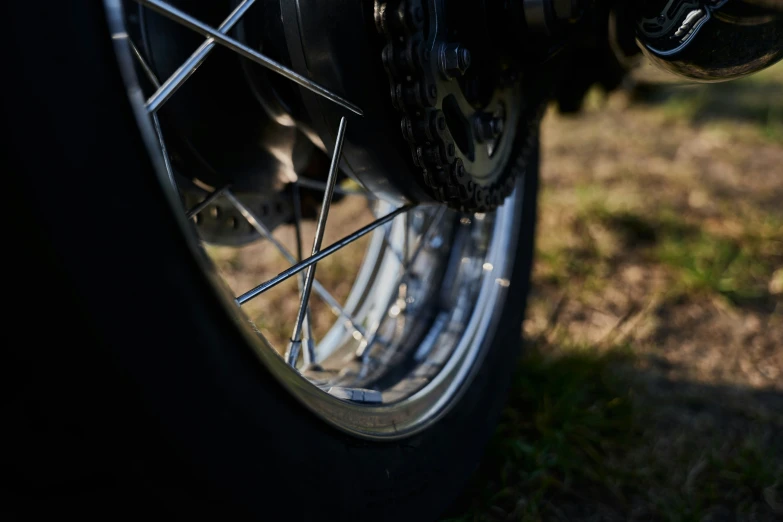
pixel 307 334
pixel 296 342
pixel 204 204
pixel 217 36
pixel 184 72
pixel 331 249
pixel 302 324
pixel 267 234
pixel 302 333
pixel 155 121
pixel 256 223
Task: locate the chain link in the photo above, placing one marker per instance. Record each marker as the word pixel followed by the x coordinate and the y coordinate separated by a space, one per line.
pixel 414 94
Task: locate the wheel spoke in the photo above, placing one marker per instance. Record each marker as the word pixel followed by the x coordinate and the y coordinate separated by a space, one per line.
pixel 184 72
pixel 209 199
pixel 267 234
pixel 164 150
pixel 412 297
pixel 307 333
pixel 186 20
pixel 296 203
pixel 372 333
pixel 387 229
pixel 155 121
pixel 331 249
pixel 147 70
pixel 319 236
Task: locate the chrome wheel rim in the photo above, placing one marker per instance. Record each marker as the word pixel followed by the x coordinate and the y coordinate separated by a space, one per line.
pixel 422 309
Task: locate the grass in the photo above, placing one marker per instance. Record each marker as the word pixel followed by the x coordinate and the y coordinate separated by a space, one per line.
pixel 579 413
pixel 755 100
pixel 734 268
pixel 652 382
pixel 575 443
pixel 735 264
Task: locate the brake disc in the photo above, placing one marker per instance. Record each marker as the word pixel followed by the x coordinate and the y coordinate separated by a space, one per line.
pixel 221 223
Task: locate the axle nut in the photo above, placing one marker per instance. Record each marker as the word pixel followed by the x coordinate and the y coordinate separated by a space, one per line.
pixel 454 60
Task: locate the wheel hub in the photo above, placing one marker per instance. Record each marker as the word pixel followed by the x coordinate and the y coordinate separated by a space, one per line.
pixel 445 118
pixel 457 92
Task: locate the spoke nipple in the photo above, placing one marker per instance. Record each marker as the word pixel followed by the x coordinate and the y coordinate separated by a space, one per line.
pixel 356 394
pixel 292 353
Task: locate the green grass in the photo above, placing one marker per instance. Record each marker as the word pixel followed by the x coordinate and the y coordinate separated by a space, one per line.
pixel 733 268
pixel 736 267
pixel 576 442
pixel 565 415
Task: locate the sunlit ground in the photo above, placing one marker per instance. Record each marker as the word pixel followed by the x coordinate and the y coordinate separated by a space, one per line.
pixel 274 313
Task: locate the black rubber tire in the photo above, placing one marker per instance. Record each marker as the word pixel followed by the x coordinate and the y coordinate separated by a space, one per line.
pixel 130 391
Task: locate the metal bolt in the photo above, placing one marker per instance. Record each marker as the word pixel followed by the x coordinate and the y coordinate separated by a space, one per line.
pixel 487 126
pixel 356 394
pixel 454 60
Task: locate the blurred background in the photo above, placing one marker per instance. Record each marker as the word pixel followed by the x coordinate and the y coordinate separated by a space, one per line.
pixel 652 382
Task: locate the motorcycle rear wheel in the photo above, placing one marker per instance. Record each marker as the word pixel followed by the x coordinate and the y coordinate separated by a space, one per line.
pixel 140 388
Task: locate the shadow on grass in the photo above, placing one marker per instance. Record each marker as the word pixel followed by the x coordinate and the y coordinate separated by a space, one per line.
pixel 589 436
